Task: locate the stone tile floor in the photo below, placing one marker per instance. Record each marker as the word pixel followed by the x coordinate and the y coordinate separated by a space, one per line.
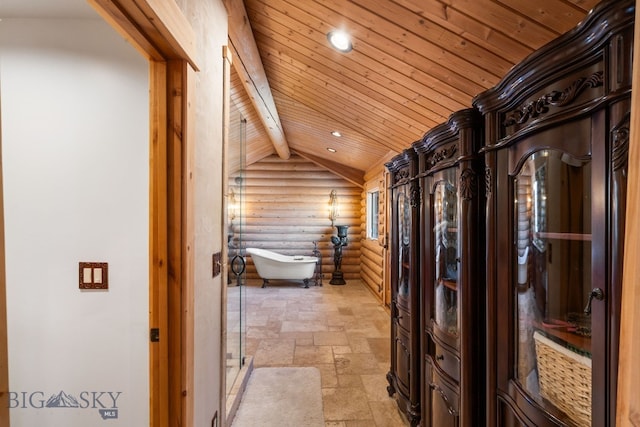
pixel 341 330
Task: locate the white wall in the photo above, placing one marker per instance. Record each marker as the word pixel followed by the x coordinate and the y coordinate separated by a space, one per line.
pixel 74 105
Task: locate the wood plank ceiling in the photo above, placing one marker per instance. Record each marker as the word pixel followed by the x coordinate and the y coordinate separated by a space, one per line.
pixel 413 63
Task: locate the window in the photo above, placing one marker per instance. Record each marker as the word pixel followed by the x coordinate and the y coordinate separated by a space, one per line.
pixel 373 198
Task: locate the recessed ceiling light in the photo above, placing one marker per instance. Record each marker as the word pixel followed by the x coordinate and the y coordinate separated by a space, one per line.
pixel 331 150
pixel 340 40
pixel 336 134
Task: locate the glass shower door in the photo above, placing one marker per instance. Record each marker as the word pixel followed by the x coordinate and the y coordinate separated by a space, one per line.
pixel 235 280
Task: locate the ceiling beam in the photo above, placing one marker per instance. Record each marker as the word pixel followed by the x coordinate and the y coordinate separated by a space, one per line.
pixel 248 64
pixel 354 176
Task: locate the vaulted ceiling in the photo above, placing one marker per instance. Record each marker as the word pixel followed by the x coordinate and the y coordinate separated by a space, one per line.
pixel 413 63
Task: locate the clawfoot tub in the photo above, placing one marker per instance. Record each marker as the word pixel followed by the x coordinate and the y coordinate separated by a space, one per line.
pixel 272 265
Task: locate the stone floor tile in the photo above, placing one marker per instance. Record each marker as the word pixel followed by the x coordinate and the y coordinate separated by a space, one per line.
pixel 385 414
pixel 312 354
pixel 312 326
pixel 345 404
pixel 376 388
pixel 274 352
pixel 350 381
pixel 328 376
pixel 342 349
pixel 356 363
pixel 330 338
pixel 341 330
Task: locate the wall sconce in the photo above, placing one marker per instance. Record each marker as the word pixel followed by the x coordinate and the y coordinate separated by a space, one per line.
pixel 232 205
pixel 333 206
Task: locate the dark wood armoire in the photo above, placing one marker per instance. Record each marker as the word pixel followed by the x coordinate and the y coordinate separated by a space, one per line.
pixel 404 373
pixel 451 178
pixel 556 141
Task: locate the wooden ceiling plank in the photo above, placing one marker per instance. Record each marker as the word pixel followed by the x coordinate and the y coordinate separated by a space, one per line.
pixel 504 20
pixel 378 46
pixel 385 32
pixel 555 15
pixel 422 96
pixel 364 153
pixel 361 116
pixel 354 176
pixel 353 146
pixel 370 73
pixel 330 98
pixel 317 127
pixel 332 102
pixel 433 32
pixel 394 86
pixel 422 70
pixel 359 157
pixel 584 5
pixel 309 127
pixel 506 47
pixel 325 76
pixel 325 140
pixel 443 95
pixel 430 59
pixel 248 64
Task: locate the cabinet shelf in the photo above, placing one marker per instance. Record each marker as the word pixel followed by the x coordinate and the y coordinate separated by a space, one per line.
pixel 564 236
pixel 449 283
pixel 571 339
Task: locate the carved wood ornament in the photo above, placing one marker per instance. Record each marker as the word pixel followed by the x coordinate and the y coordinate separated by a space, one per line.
pixel 535 108
pixel 487 181
pixel 444 154
pixel 468 184
pixel 401 175
pixel 620 144
pixel 415 195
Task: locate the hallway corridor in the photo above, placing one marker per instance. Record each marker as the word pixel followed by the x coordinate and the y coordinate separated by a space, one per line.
pixel 341 330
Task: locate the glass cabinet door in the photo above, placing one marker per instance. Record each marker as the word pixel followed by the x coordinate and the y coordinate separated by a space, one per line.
pixel 552 282
pixel 404 243
pixel 445 242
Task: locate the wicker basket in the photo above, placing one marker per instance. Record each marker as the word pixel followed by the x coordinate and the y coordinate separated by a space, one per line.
pixel 565 379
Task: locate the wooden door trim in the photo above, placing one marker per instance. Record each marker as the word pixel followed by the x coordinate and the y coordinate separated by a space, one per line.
pixel 4 348
pixel 628 401
pixel 161 33
pixel 156 28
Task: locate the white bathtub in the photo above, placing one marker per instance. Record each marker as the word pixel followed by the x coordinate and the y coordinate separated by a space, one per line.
pixel 272 265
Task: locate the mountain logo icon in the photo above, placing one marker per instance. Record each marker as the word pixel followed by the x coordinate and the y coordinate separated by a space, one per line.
pixel 62 400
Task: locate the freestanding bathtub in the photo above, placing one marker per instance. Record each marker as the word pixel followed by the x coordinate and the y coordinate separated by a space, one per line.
pixel 275 266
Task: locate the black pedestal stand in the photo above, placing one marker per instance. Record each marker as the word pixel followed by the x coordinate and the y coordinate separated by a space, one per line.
pixel 337 278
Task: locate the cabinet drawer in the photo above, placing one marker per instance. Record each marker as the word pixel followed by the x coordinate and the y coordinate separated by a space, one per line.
pixel 402 371
pixel 447 361
pixel 404 319
pixel 442 400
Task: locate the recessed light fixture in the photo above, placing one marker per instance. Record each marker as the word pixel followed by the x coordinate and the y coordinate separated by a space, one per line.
pixel 331 150
pixel 340 41
pixel 336 134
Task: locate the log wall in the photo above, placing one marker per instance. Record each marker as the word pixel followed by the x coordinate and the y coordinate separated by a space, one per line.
pixel 372 256
pixel 286 208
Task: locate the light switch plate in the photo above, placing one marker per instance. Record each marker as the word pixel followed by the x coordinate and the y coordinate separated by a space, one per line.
pixel 93 275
